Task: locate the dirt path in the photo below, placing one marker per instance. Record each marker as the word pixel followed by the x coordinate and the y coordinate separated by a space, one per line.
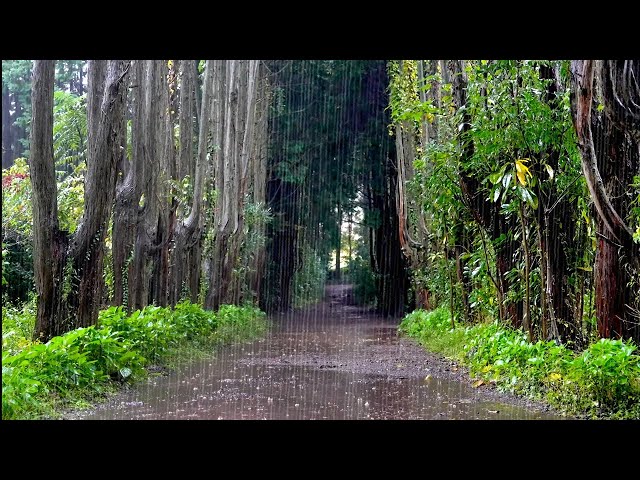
pixel 333 360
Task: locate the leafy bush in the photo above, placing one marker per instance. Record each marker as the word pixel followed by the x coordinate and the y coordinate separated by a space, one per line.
pixel 309 280
pixel 17 326
pixel 606 377
pixel 364 281
pixel 82 362
pixel 604 380
pixel 421 323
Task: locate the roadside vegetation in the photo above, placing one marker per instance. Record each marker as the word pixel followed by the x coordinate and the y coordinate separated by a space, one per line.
pixel 602 381
pixel 82 366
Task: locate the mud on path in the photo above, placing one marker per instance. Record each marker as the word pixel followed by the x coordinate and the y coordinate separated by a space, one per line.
pixel 333 360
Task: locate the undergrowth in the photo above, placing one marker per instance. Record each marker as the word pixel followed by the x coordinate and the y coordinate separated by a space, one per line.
pixel 603 381
pixel 39 380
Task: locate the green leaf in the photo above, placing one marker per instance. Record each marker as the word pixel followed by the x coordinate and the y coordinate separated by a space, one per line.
pixel 506 180
pixel 549 170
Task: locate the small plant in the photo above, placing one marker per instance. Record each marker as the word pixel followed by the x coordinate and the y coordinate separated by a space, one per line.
pixel 608 375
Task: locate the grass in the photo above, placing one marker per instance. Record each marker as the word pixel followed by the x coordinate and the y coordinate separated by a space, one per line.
pixel 74 370
pixel 603 381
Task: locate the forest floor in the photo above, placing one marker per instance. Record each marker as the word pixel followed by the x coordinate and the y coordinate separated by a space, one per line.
pixel 331 360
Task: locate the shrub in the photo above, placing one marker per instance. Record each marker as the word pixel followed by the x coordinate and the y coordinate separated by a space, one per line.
pixel 82 362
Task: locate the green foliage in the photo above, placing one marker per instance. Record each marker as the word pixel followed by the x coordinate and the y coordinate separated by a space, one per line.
pixel 364 281
pixel 309 280
pixel 17 215
pixel 635 209
pixel 606 377
pixel 433 329
pixel 601 381
pixel 69 129
pixel 83 362
pixel 16 80
pixel 17 197
pixel 17 326
pixel 17 220
pixel 256 218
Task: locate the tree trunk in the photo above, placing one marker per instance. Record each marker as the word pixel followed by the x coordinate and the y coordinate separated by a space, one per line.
pixel 128 192
pixel 105 110
pixel 260 181
pixel 147 147
pixel 49 244
pixel 70 298
pixel 609 144
pixel 189 229
pixel 556 232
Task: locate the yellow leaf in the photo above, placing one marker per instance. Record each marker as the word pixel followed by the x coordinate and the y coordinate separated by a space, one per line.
pixel 478 383
pixel 522 170
pixel 554 377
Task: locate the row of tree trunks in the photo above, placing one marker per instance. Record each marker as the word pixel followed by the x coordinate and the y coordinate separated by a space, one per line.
pixel 189 230
pixel 68 271
pixel 232 179
pixel 258 183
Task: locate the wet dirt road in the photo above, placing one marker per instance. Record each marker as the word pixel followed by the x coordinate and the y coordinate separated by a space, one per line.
pixel 333 360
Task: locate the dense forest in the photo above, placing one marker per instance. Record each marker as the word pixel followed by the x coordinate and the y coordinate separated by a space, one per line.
pixel 497 189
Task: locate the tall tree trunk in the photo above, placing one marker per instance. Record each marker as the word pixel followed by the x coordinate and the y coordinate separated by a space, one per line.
pixel 260 181
pixel 105 110
pixel 189 229
pixel 166 211
pixel 392 279
pixel 128 192
pixel 239 127
pixel 49 243
pixel 556 229
pixel 71 298
pixel 609 142
pixel 146 246
pixel 339 245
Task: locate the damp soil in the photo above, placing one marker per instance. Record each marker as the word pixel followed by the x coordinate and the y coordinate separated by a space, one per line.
pixel 332 360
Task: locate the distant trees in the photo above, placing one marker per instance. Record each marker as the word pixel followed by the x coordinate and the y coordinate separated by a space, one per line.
pixel 330 152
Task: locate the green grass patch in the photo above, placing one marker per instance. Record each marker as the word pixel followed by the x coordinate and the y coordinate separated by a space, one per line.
pixel 73 370
pixel 603 381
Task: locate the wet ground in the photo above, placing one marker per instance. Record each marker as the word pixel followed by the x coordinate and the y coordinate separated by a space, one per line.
pixel 333 360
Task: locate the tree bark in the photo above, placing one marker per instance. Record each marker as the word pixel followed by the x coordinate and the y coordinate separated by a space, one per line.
pixel 69 274
pixel 609 142
pixel 188 232
pixel 106 101
pixel 49 243
pixel 128 192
